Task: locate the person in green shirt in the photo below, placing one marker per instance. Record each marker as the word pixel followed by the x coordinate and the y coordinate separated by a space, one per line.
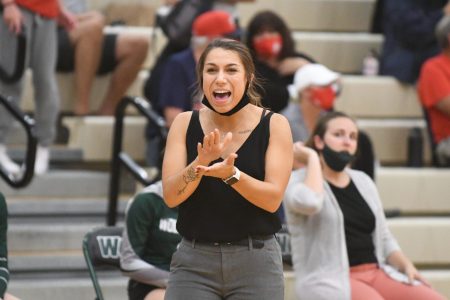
pixel 4 271
pixel 148 242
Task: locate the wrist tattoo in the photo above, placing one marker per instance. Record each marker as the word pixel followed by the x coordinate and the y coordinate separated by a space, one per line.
pixel 188 177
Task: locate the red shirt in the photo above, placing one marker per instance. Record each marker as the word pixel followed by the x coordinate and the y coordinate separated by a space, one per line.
pixel 434 85
pixel 45 8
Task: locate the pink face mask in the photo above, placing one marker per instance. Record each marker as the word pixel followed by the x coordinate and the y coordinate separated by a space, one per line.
pixel 323 97
pixel 269 46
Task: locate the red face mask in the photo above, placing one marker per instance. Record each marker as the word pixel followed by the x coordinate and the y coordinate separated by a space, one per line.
pixel 268 46
pixel 323 97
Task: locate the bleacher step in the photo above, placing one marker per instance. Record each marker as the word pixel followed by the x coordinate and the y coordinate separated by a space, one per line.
pixel 47 261
pixel 58 153
pixel 62 183
pixel 378 97
pixel 20 208
pixel 95 135
pixel 423 239
pixel 342 52
pixel 317 15
pixel 47 237
pixel 114 288
pixel 415 190
pixel 390 139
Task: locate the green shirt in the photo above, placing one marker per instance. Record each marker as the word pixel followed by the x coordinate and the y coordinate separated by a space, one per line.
pixel 4 273
pixel 151 227
pixel 149 238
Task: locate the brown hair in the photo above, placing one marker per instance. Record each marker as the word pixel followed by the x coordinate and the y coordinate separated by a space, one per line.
pixel 244 54
pixel 322 125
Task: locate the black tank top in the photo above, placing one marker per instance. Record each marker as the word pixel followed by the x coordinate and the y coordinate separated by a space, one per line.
pixel 215 211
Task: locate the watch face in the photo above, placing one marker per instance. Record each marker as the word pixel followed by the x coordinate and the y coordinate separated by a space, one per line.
pixel 232 181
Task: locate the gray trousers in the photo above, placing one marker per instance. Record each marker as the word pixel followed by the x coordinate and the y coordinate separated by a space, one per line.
pixel 443 152
pixel 41 58
pixel 208 272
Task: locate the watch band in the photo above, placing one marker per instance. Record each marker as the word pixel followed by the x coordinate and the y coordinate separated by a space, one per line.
pixel 233 178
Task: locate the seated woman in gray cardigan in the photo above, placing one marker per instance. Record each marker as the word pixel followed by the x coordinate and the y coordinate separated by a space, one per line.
pixel 342 248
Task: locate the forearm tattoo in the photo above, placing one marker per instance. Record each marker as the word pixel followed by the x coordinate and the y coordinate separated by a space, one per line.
pixel 189 176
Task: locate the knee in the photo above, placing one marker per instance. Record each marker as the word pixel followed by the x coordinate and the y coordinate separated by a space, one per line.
pixel 134 46
pixel 93 23
pixel 97 19
pixel 97 22
pixel 140 45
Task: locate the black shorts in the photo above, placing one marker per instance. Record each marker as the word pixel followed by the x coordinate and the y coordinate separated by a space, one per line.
pixel 138 291
pixel 66 53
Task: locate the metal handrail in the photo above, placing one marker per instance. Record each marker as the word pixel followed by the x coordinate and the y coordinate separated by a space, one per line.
pixel 120 158
pixel 28 124
pixel 20 61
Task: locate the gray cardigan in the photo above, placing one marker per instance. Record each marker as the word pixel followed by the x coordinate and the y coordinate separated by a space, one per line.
pixel 319 252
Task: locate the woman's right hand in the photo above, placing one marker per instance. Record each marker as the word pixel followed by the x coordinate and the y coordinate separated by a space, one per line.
pixel 302 153
pixel 13 18
pixel 212 147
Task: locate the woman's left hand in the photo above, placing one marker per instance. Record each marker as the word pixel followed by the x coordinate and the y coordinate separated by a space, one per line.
pixel 223 169
pixel 412 274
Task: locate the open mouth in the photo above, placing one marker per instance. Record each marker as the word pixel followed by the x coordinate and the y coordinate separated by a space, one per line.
pixel 221 95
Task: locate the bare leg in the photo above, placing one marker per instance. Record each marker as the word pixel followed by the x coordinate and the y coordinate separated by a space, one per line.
pixel 87 38
pixel 157 294
pixel 131 51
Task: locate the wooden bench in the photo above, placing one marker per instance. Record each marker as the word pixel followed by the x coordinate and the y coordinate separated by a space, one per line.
pixel 94 135
pixel 316 15
pixel 387 110
pixel 367 97
pixel 415 191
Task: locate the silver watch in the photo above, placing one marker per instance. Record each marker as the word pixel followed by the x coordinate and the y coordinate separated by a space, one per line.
pixel 233 178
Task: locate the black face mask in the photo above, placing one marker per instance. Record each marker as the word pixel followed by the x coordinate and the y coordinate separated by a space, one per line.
pixel 243 102
pixel 336 160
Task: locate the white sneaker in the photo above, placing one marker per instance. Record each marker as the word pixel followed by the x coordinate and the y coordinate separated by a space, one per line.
pixel 7 163
pixel 42 160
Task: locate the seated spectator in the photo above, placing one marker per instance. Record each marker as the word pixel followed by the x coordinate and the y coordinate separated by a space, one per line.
pixel 177 82
pixel 314 92
pixel 276 60
pixel 341 245
pixel 4 272
pixel 434 92
pixel 37 19
pixel 88 51
pixel 408 27
pixel 148 242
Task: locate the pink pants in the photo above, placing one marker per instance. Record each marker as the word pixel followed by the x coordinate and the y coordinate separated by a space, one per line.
pixel 368 282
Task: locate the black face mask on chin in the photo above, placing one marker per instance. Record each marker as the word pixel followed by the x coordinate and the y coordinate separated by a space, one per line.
pixel 336 160
pixel 243 102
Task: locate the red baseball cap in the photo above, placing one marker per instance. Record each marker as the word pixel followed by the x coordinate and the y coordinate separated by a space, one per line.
pixel 214 23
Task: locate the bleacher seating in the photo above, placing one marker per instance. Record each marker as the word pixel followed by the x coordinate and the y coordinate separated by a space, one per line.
pixel 317 15
pixel 335 33
pixel 94 136
pixel 415 191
